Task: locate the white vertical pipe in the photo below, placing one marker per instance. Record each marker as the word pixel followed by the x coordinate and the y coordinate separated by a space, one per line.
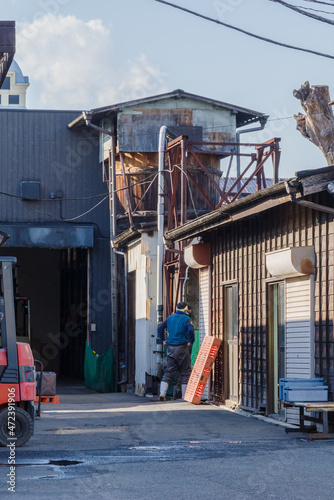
pixel 160 221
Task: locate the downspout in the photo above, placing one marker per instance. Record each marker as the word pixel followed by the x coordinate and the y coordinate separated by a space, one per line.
pixel 164 132
pixel 263 120
pixel 126 312
pixel 112 211
pixel 184 283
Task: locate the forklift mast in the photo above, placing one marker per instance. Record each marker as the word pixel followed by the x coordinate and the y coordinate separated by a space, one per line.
pixel 7 320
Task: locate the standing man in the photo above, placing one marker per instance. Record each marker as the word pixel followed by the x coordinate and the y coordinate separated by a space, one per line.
pixel 180 338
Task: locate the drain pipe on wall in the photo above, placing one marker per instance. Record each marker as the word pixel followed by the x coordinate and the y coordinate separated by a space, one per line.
pixel 263 120
pixel 184 283
pixel 112 211
pixel 163 134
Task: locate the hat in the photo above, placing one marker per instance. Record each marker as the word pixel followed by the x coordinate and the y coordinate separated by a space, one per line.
pixel 181 306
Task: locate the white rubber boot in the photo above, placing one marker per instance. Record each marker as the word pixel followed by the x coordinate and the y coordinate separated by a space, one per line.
pixel 163 390
pixel 184 387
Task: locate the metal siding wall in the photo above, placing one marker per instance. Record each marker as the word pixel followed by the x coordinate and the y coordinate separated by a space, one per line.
pixel 38 145
pixel 100 297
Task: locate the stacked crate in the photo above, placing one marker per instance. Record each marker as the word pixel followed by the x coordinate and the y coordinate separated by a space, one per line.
pixel 305 390
pixel 201 370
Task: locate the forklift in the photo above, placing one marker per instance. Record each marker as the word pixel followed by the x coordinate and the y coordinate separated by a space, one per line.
pixel 17 367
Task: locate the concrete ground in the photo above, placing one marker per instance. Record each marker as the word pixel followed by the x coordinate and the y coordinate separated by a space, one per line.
pixel 120 447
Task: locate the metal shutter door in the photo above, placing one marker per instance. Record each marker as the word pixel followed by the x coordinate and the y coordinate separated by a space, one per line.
pixel 299 332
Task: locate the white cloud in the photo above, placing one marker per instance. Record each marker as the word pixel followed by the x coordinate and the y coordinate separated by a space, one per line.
pixel 70 64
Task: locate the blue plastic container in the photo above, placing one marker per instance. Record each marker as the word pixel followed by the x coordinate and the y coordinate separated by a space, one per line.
pixel 298 382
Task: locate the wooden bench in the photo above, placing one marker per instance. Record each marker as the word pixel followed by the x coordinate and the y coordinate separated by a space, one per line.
pixel 323 408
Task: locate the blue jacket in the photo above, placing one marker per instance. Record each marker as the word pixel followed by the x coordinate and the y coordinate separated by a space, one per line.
pixel 180 329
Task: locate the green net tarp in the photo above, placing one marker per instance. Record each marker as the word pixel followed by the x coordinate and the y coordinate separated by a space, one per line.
pixel 195 348
pixel 99 373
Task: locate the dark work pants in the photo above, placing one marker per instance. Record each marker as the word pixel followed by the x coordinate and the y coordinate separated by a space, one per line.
pixel 178 359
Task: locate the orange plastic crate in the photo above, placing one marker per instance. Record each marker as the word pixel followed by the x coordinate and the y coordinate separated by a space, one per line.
pixel 201 370
pixel 50 400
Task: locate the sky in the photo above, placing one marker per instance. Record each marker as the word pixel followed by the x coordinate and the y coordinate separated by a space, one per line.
pixel 82 54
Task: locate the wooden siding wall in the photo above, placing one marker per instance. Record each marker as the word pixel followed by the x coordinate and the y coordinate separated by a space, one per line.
pixel 239 254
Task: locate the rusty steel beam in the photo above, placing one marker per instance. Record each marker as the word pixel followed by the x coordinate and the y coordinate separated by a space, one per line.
pixel 201 190
pixel 276 155
pixel 270 142
pixel 228 172
pixel 252 144
pixel 203 167
pixel 264 183
pixel 258 168
pixel 176 151
pixel 128 200
pixel 171 263
pixel 259 156
pixel 225 197
pixel 168 291
pixel 183 217
pixel 172 206
pixel 176 298
pixel 176 142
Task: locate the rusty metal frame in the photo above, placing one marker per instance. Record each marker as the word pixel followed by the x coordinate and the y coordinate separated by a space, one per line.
pixel 179 175
pixel 127 191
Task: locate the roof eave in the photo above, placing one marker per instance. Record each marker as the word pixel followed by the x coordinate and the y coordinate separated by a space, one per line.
pixel 303 184
pixel 227 213
pixel 250 115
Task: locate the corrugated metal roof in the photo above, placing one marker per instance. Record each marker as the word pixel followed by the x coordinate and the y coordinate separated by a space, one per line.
pixel 249 189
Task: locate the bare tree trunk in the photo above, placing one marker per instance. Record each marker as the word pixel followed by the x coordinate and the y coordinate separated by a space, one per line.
pixel 318 123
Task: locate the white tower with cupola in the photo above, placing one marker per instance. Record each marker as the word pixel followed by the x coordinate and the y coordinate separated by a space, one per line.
pixel 14 89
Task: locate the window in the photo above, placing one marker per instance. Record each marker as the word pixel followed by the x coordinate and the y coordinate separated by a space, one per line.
pixel 275 344
pixel 6 84
pixel 14 99
pixel 231 347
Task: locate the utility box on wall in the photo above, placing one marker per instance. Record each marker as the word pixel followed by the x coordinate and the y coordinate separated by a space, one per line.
pixel 30 190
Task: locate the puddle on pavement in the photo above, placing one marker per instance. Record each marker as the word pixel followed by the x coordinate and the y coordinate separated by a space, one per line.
pixel 64 463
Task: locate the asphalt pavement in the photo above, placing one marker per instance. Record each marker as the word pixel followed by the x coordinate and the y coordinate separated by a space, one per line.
pixel 120 446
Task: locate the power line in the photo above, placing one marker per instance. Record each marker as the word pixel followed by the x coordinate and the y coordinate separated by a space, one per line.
pixel 87 212
pixel 56 199
pixel 317 10
pixel 52 216
pixel 301 11
pixel 258 37
pixel 320 2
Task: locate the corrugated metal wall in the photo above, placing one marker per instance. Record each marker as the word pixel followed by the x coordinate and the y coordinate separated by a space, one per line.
pixel 239 254
pixel 37 145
